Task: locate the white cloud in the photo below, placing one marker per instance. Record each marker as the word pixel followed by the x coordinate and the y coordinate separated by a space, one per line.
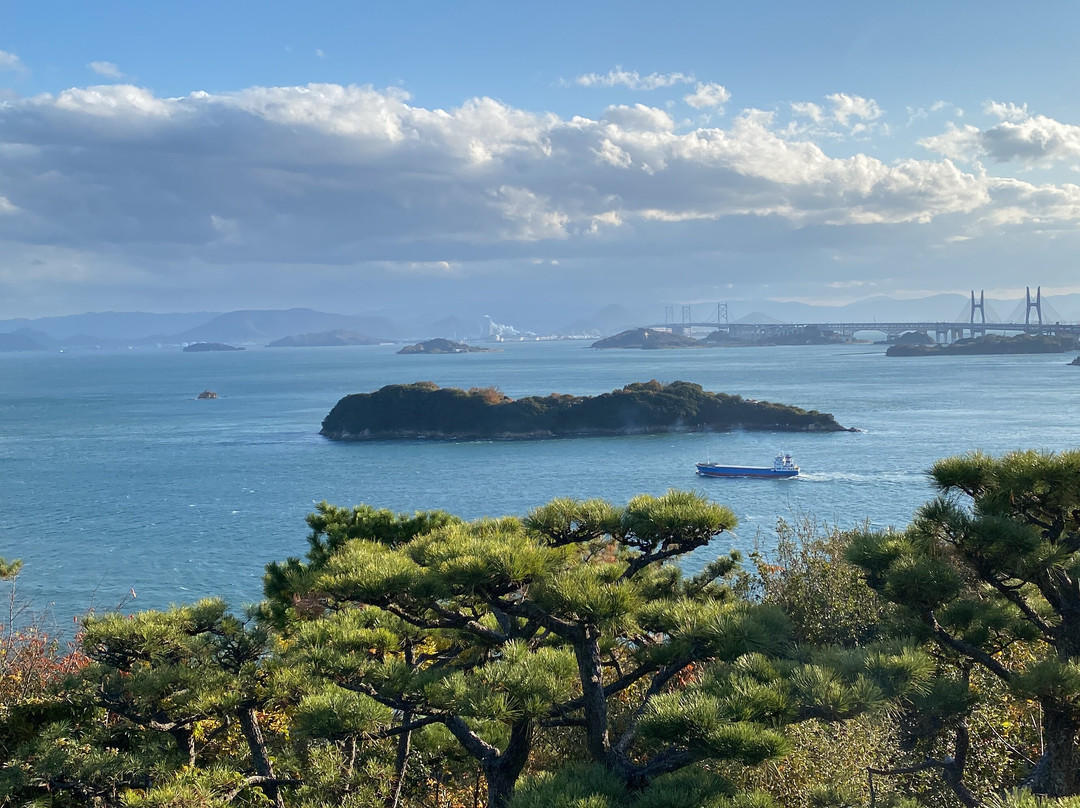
pixel 319 53
pixel 808 110
pixel 106 69
pixel 110 101
pixel 362 180
pixel 1030 140
pixel 613 155
pixel 533 216
pixel 640 117
pixel 1006 111
pixel 632 79
pixel 708 95
pixel 9 61
pixel 853 111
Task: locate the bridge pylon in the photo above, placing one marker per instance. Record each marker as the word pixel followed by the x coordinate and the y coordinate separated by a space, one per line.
pixel 1036 304
pixel 980 306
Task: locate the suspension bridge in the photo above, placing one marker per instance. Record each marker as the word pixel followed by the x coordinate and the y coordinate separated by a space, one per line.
pixel 1038 318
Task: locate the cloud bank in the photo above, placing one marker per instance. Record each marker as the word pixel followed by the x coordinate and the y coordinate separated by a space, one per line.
pixel 114 185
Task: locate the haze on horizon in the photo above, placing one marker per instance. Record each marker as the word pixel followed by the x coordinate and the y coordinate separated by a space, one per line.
pixel 427 157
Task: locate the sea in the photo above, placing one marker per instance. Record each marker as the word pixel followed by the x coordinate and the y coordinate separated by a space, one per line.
pixel 120 489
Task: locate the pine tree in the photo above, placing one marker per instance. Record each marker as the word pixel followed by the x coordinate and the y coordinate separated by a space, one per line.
pixel 990 570
pixel 160 689
pixel 573 617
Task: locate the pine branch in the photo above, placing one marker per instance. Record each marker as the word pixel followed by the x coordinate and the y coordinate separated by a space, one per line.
pixel 259 780
pixel 952 770
pixel 473 743
pixel 1014 596
pixel 967 649
pixel 659 680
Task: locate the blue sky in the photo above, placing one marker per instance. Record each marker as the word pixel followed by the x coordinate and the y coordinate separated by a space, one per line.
pixel 518 157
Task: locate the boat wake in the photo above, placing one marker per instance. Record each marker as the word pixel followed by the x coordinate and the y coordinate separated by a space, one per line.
pixel 851 477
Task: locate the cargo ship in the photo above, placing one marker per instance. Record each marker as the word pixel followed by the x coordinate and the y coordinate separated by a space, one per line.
pixel 783 467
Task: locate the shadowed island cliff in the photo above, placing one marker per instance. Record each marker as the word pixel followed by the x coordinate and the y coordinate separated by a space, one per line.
pixel 424 410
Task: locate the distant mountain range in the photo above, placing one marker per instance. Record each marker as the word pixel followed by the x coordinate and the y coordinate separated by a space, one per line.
pixel 261 327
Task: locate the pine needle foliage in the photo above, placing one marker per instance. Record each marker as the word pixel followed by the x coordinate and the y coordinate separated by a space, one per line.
pixel 574 617
pixel 990 570
pixel 145 720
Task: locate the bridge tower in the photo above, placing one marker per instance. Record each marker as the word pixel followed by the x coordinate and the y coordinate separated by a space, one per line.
pixel 981 306
pixel 1037 304
pixel 669 315
pixel 687 320
pixel 721 314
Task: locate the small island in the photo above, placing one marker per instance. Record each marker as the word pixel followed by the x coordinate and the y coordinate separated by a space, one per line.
pixel 647 339
pixel 324 339
pixel 442 346
pixel 202 347
pixel 801 335
pixel 991 344
pixel 424 410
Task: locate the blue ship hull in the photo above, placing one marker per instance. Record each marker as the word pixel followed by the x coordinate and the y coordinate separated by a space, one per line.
pixel 717 470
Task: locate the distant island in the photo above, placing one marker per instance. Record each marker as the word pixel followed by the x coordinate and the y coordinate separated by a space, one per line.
pixel 424 410
pixel 991 344
pixel 802 335
pixel 652 339
pixel 647 339
pixel 325 339
pixel 442 346
pixel 201 347
pixel 22 340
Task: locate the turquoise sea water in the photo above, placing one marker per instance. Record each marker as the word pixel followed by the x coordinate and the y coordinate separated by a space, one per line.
pixel 115 478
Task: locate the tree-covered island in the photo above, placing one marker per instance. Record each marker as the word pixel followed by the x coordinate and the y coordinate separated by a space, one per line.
pixel 442 346
pixel 991 344
pixel 647 339
pixel 424 410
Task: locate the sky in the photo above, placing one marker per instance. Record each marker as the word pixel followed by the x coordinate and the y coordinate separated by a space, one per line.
pixel 443 158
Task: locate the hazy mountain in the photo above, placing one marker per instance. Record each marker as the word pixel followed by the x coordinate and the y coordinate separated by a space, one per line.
pixel 261 327
pixel 107 326
pixel 880 309
pixel 758 318
pixel 25 339
pixel 454 328
pixel 611 319
pixel 258 327
pixel 323 339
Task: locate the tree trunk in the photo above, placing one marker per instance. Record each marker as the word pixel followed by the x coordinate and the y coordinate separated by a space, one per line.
pixel 400 762
pixel 502 772
pixel 587 653
pixel 1057 774
pixel 249 723
pixel 185 740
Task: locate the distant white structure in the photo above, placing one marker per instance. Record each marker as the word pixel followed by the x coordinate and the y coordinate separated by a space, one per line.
pixel 497 332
